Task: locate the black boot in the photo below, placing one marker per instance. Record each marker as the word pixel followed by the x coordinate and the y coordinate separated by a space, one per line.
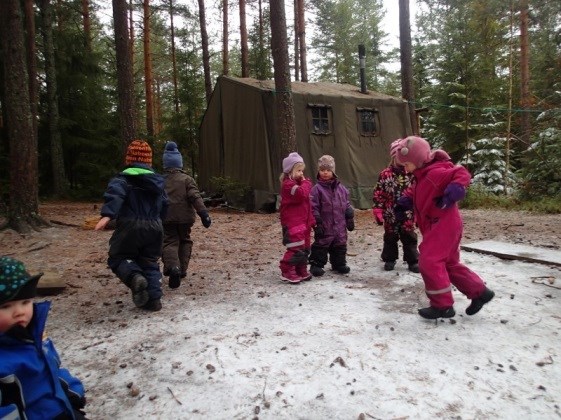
pixel 434 313
pixel 153 305
pixel 477 303
pixel 389 265
pixel 413 267
pixel 138 285
pixel 174 278
pixel 317 271
pixel 342 269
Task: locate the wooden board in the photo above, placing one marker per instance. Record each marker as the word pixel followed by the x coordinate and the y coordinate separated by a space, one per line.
pixel 516 252
pixel 50 283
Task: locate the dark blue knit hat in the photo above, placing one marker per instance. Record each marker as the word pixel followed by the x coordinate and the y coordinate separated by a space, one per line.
pixel 15 282
pixel 172 156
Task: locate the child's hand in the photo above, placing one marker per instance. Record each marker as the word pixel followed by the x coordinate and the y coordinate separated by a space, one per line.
pixel 378 216
pixel 102 223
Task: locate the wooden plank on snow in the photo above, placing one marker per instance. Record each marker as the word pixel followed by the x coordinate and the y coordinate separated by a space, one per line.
pixel 515 252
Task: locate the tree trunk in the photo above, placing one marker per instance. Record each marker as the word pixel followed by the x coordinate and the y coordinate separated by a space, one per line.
pixel 125 84
pixel 32 62
pixel 525 100
pixel 148 85
pixel 506 181
pixel 284 104
pixel 407 89
pixel 296 44
pixel 87 24
pixel 60 184
pixel 130 17
pixel 206 54
pixel 225 49
pixel 23 212
pixel 302 41
pixel 243 41
pixel 157 107
pixel 173 59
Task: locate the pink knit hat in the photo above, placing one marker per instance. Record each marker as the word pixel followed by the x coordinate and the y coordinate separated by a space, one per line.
pixel 411 149
pixel 289 162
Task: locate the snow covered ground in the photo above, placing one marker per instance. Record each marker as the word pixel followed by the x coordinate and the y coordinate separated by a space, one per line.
pixel 233 344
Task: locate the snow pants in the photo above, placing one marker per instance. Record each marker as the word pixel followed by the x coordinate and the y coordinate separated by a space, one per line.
pixel 135 247
pixel 440 266
pixel 177 247
pixel 337 254
pixel 408 241
pixel 297 241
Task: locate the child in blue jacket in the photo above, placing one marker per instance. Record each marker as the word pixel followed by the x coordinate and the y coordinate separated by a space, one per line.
pixel 137 201
pixel 32 383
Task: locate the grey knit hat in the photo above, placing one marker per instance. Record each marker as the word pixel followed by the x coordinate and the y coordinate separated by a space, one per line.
pixel 326 162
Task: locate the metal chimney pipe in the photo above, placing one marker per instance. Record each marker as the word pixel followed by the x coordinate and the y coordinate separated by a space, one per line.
pixel 362 59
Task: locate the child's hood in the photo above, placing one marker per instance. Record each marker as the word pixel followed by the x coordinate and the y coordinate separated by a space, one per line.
pixel 143 176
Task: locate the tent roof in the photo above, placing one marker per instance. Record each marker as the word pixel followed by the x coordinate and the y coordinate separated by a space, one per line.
pixel 320 88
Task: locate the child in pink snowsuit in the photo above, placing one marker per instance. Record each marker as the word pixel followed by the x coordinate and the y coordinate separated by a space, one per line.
pixel 296 219
pixel 439 186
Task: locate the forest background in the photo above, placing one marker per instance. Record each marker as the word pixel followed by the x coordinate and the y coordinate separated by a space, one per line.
pixel 486 78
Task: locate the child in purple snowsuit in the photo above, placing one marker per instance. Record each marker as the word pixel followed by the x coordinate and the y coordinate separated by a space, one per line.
pixel 334 216
pixel 392 181
pixel 439 186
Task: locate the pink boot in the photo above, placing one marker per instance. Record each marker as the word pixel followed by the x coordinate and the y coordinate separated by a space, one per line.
pixel 289 275
pixel 302 271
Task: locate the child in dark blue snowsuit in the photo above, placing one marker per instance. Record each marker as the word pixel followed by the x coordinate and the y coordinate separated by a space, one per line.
pixel 136 199
pixel 33 385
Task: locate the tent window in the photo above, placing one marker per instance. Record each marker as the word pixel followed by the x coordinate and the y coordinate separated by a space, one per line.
pixel 367 121
pixel 320 115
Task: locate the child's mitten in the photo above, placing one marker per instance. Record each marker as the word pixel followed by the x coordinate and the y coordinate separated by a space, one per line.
pixel 205 218
pixel 452 193
pixel 350 219
pixel 318 228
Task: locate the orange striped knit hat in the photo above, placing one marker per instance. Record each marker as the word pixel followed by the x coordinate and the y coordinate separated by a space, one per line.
pixel 139 152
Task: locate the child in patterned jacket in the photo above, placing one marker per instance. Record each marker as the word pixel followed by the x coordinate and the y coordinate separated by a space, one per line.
pixel 392 181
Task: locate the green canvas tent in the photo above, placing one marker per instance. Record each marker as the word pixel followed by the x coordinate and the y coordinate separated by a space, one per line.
pixel 239 139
